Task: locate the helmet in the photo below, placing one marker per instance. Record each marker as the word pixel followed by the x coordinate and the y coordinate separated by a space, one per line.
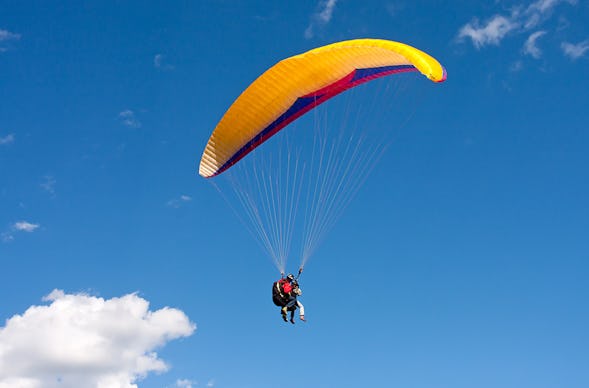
pixel 290 277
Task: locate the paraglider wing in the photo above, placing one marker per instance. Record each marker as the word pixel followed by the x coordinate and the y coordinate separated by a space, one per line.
pixel 297 84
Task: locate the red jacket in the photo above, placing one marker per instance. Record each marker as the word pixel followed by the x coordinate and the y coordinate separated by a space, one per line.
pixel 285 285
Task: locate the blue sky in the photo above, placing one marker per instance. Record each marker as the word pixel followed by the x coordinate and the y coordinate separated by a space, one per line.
pixel 462 262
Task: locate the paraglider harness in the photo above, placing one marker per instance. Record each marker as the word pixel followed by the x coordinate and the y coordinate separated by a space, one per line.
pixel 279 297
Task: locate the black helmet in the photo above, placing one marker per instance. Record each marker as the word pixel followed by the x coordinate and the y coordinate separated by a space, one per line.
pixel 290 277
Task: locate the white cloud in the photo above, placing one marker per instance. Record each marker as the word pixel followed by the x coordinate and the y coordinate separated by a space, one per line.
pixel 327 12
pixel 321 17
pixel 521 19
pixel 211 383
pixel 7 139
pixel 24 226
pixel 492 32
pixel 516 66
pixel 177 202
pixel 157 60
pixel 544 6
pixel 48 184
pixel 7 35
pixel 530 46
pixel 79 340
pixel 575 51
pixel 184 383
pixel 6 237
pixel 539 11
pixel 160 63
pixel 128 118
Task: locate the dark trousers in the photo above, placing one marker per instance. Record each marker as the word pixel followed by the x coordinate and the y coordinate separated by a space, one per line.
pixel 291 302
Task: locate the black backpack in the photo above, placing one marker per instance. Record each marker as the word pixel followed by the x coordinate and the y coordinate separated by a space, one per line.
pixel 278 298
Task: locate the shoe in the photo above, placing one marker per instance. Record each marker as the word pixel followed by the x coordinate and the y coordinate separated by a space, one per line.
pixel 292 320
pixel 283 313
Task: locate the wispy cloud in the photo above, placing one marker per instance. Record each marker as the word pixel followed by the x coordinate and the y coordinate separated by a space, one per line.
pixel 6 237
pixel 530 46
pixel 6 37
pixel 87 341
pixel 185 383
pixel 7 139
pixel 575 51
pixel 540 10
pixel 320 18
pixel 24 226
pixel 159 61
pixel 393 8
pixel 544 6
pixel 491 32
pixel 516 66
pixel 129 119
pixel 48 184
pixel 211 383
pixel 177 202
pixel 327 12
pixel 519 20
pixel 17 227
